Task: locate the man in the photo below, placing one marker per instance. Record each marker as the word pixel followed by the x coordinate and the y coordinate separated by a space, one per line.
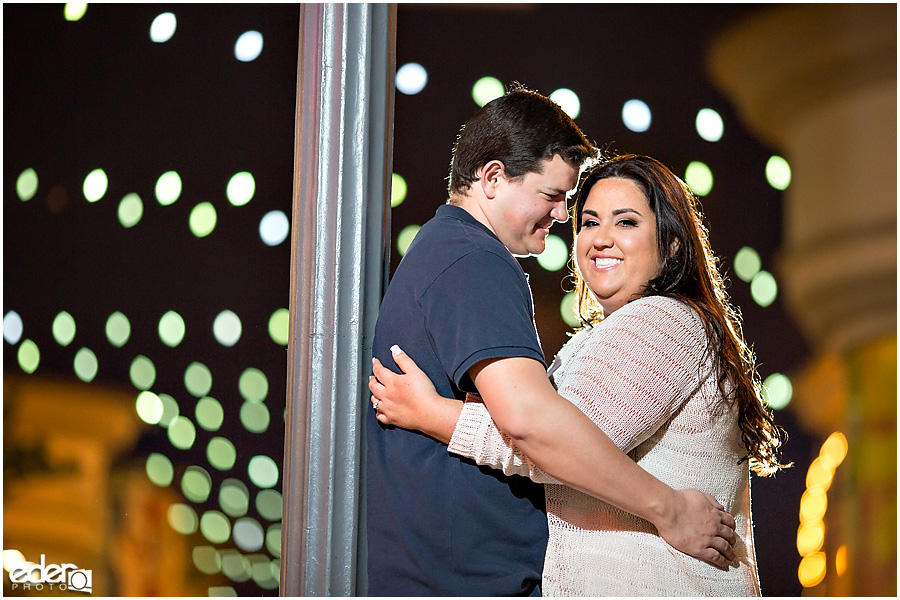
pixel 460 304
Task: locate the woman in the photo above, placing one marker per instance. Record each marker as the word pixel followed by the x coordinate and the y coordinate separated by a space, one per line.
pixel 660 365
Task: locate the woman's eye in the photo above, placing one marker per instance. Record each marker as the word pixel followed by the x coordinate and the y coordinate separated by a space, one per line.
pixel 627 223
pixel 589 223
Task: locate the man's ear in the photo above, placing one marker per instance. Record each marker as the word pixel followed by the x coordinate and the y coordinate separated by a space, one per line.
pixel 491 173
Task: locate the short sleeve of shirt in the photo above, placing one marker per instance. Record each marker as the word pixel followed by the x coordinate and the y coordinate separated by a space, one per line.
pixel 479 308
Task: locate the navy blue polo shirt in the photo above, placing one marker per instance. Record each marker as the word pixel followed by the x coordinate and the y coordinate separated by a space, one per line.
pixel 439 524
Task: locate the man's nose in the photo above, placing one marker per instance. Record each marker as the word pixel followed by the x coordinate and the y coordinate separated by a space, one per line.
pixel 559 213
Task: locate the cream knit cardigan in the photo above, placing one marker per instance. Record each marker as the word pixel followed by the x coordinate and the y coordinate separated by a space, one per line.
pixel 643 376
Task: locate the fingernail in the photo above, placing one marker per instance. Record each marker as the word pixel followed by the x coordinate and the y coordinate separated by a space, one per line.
pixel 395 350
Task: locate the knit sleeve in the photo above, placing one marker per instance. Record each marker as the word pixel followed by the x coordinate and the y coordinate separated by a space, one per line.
pixel 629 376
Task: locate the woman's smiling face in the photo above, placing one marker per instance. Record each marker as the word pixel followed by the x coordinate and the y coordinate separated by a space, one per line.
pixel 617 250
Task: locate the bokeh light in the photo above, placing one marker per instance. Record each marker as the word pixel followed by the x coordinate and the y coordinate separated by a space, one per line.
pixel 249 46
pixel 131 209
pixel 411 78
pixel 149 407
pixel 27 185
pixel 209 413
pixel 203 219
pixel 198 379
pixel 221 453
pixel 95 185
pixel 567 310
pixel 63 328
pixel 747 263
pixel 74 11
pixel 810 537
pixel 248 534
pixel 273 539
pixel 85 365
pixel 29 356
pixel 241 188
pixel 234 498
pixel 778 391
pixel 196 484
pixel 215 527
pixel 142 373
pixel 171 329
pixel 12 327
pixel 163 27
pixel 269 504
pixel 764 288
pixel 820 474
pixel 227 328
pixel 487 89
pixel 709 125
pixel 699 177
pixel 274 227
pixel 182 518
pixel 168 188
pixel 235 565
pixel 253 385
pixel 834 450
pixel 811 571
pixel 182 433
pixel 406 237
pixel 254 417
pixel 206 559
pixel 170 409
pixel 813 505
pixel 222 591
pixel 555 254
pixel 118 329
pixel 568 101
pixel 279 324
pixel 778 173
pixel 159 469
pixel 263 471
pixel 840 560
pixel 636 115
pixel 398 190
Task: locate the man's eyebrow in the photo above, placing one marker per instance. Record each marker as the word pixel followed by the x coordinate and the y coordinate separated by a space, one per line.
pixel 556 191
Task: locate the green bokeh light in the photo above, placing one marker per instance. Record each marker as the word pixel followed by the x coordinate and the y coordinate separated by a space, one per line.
pixel 131 209
pixel 215 527
pixel 777 391
pixel 555 254
pixel 764 288
pixel 221 453
pixel 263 471
pixel 29 356
pixel 209 413
pixel 222 591
pixel 203 219
pixel 248 534
pixel 182 433
pixel 85 365
pixel 269 504
pixel 27 185
pixel 567 310
pixel 142 373
pixel 234 498
pixel 747 263
pixel 118 329
pixel 241 188
pixel 279 324
pixel 206 559
pixel 73 11
pixel 170 409
pixel 235 565
pixel 168 188
pixel 778 173
pixel 198 379
pixel 406 237
pixel 182 518
pixel 273 540
pixel 227 328
pixel 159 469
pixel 171 329
pixel 149 407
pixel 253 385
pixel 63 328
pixel 254 417
pixel 398 190
pixel 487 89
pixel 699 177
pixel 265 574
pixel 95 185
pixel 196 484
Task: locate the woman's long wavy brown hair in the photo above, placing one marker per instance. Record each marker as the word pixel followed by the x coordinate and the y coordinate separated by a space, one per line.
pixel 689 272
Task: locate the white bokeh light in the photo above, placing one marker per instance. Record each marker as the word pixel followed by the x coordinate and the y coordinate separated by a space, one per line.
pixel 274 228
pixel 411 78
pixel 12 327
pixel 636 115
pixel 568 101
pixel 249 46
pixel 163 28
pixel 709 125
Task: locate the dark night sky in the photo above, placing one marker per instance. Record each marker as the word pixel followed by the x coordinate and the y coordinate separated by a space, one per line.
pixel 99 93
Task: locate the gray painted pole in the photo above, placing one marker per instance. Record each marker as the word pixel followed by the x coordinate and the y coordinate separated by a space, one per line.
pixel 339 267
